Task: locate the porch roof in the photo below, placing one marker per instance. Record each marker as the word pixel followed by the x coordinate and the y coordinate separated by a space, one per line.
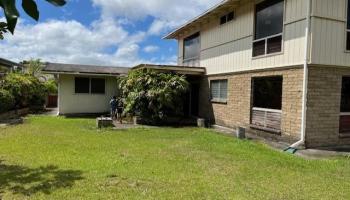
pixel 214 12
pixel 59 68
pixel 186 70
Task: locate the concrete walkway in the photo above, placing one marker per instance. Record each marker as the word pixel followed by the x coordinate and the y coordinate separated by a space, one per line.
pixel 281 146
pixel 51 112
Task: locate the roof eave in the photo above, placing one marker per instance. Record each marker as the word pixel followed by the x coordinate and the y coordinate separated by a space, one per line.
pixel 84 73
pixel 204 16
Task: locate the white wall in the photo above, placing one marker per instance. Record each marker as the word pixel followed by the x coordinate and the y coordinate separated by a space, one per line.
pixel 328 27
pixel 71 103
pixel 228 48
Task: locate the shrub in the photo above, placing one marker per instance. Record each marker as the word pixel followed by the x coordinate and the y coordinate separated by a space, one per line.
pixel 51 86
pixel 152 94
pixel 7 101
pixel 26 89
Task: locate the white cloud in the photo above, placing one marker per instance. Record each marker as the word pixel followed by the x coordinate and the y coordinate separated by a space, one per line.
pixel 167 13
pixel 72 42
pixel 150 49
pixel 105 41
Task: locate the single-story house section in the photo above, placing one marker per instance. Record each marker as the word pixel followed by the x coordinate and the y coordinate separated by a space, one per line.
pixel 85 89
pixel 8 66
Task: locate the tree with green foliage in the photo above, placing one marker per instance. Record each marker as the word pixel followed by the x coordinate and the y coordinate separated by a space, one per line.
pixel 153 95
pixel 34 67
pixel 51 86
pixel 12 14
pixel 27 90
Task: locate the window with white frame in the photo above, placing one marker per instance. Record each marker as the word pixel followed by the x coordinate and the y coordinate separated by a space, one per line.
pixel 192 47
pixel 348 29
pixel 85 85
pixel 268 27
pixel 218 90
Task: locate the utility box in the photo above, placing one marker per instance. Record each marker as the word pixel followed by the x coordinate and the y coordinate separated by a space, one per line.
pixel 240 133
pixel 201 122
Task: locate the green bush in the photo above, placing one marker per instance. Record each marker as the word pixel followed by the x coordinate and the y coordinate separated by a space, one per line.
pixel 7 101
pixel 27 90
pixel 154 95
pixel 51 86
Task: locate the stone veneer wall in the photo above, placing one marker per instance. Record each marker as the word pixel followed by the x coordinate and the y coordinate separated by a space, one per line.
pixel 324 97
pixel 236 112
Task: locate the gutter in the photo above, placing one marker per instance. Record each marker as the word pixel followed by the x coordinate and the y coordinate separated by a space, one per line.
pixel 293 147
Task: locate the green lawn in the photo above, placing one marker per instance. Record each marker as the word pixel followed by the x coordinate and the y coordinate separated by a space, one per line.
pixel 59 158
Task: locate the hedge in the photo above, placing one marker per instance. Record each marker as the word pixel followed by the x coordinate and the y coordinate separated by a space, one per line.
pixel 26 90
pixel 7 101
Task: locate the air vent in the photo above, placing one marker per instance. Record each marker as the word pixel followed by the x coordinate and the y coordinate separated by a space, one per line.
pixel 227 18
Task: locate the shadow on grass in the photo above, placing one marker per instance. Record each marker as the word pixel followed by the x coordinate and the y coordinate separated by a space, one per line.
pixel 28 181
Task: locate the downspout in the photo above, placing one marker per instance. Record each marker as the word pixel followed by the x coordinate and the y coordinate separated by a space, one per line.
pixel 293 147
pixel 58 94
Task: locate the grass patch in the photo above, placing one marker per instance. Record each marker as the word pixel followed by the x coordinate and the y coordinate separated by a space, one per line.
pixel 60 158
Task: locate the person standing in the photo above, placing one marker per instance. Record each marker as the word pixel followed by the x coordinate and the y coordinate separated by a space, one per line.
pixel 120 110
pixel 113 104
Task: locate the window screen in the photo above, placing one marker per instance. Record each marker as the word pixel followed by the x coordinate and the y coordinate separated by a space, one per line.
pixel 97 86
pixel 267 92
pixel 192 46
pixel 218 90
pixel 82 85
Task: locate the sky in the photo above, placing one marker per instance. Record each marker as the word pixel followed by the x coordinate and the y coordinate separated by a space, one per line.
pixel 101 32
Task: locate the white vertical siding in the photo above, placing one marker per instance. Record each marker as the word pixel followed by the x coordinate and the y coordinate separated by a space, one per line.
pixel 332 9
pixel 71 103
pixel 328 44
pixel 295 10
pixel 215 34
pixel 228 48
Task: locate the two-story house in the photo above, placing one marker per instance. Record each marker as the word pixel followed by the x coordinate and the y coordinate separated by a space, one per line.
pixel 280 68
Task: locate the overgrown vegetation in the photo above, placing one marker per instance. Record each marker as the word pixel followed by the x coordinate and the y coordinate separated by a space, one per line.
pixel 153 95
pixel 64 158
pixel 28 89
pixel 7 100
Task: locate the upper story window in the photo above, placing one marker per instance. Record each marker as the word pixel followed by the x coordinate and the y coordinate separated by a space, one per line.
pixel 268 27
pixel 227 18
pixel 192 47
pixel 348 29
pixel 90 85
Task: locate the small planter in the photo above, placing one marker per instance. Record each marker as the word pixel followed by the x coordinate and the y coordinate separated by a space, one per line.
pixel 103 122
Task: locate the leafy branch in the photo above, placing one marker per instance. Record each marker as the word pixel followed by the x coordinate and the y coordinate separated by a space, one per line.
pixel 11 13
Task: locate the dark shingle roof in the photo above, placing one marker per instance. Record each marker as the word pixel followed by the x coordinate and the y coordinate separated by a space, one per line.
pixel 84 69
pixel 9 63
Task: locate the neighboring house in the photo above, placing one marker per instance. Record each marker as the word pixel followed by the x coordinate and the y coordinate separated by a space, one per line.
pixel 84 89
pixel 8 66
pixel 280 68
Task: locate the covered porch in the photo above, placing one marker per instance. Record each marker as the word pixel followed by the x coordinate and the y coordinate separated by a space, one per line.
pixel 193 76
